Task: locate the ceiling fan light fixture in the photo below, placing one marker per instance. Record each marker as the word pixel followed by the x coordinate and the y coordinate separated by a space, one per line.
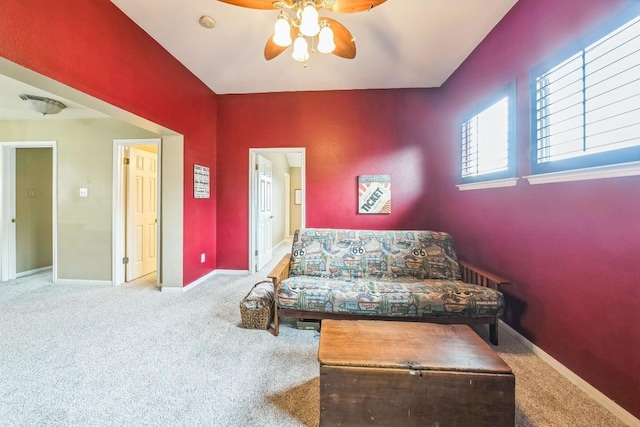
pixel 282 35
pixel 326 44
pixel 309 21
pixel 301 19
pixel 42 104
pixel 300 49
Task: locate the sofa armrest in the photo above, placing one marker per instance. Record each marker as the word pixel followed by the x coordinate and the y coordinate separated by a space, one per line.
pixel 478 276
pixel 278 274
pixel 280 271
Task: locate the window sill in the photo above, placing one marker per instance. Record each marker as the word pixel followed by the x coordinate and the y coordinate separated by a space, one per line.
pixel 598 172
pixel 495 183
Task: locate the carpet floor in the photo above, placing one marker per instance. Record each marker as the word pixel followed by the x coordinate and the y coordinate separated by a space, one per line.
pixel 82 355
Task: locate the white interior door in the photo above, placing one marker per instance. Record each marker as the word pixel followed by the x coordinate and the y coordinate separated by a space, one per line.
pixel 141 213
pixel 8 214
pixel 264 235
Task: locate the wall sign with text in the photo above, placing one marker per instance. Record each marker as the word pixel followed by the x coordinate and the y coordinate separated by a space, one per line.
pixel 200 182
pixel 374 194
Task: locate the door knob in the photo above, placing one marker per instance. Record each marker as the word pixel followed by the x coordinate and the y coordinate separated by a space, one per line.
pixel 13 220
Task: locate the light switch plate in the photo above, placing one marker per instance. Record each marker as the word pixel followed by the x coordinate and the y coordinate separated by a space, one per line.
pixel 84 192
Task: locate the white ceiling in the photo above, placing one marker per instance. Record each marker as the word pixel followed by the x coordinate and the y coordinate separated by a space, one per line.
pixel 14 108
pixel 400 44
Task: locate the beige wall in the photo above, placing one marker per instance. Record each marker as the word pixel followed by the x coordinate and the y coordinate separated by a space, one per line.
pixel 85 160
pixel 296 210
pixel 172 211
pixel 34 233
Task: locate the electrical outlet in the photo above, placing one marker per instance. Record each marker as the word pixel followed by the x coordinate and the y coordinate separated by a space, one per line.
pixel 202 257
pixel 84 192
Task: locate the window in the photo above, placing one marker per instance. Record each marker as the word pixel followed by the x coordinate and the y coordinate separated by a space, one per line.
pixel 488 142
pixel 586 108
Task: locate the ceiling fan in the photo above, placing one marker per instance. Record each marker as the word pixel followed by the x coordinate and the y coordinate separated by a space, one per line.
pixel 299 23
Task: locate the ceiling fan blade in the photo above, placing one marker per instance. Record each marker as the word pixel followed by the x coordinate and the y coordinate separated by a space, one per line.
pixel 345 46
pixel 251 4
pixel 271 50
pixel 352 6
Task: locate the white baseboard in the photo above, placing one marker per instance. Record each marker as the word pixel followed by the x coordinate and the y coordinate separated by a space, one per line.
pixel 621 413
pixel 202 279
pixel 231 272
pixel 84 282
pixel 171 289
pixel 189 286
pixel 34 271
pixel 286 241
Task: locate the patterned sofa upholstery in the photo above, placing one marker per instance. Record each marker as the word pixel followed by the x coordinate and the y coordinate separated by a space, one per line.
pixel 391 274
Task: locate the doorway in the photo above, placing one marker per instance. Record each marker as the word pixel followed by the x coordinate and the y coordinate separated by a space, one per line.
pixel 28 234
pixel 274 213
pixel 136 237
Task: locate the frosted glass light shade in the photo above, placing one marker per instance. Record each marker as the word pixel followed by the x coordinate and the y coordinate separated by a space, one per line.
pixel 42 104
pixel 282 35
pixel 309 23
pixel 326 43
pixel 300 49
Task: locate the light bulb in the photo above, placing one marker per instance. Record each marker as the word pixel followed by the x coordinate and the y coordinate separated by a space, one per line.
pixel 282 35
pixel 325 40
pixel 300 52
pixel 309 22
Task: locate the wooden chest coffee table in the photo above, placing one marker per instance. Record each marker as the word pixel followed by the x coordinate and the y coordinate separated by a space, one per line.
pixel 411 373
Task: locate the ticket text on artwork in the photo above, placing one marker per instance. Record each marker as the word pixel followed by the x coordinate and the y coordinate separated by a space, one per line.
pixel 374 194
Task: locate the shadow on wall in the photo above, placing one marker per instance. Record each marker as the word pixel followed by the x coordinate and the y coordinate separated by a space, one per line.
pixel 515 309
pixel 421 214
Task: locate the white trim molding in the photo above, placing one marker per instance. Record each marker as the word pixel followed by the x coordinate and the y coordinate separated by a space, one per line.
pixel 202 279
pixel 253 191
pixel 494 183
pixel 119 211
pixel 7 205
pixel 622 414
pixel 34 271
pixel 222 271
pixel 598 172
pixel 189 286
pixel 84 282
pixel 172 289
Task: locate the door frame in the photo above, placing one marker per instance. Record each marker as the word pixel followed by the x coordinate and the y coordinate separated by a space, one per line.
pixel 8 205
pixel 253 194
pixel 287 203
pixel 264 174
pixel 119 208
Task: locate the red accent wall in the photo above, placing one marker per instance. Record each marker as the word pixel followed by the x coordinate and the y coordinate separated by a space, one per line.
pixel 93 47
pixel 571 249
pixel 346 134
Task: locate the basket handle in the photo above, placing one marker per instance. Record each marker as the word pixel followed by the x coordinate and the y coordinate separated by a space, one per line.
pixel 254 286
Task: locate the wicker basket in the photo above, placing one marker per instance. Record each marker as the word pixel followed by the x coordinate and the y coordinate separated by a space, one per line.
pixel 256 309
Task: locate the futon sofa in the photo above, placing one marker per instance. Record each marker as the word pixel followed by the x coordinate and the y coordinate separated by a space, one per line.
pixel 384 274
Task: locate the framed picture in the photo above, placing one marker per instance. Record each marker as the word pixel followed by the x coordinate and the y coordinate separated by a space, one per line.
pixel 374 194
pixel 297 196
pixel 200 182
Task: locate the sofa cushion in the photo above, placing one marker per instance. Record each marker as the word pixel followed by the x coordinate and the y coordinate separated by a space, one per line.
pixel 377 254
pixel 402 297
